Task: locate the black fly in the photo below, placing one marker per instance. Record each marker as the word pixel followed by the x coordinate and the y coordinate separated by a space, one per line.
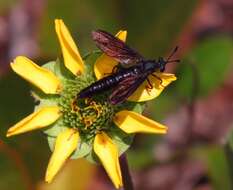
pixel 129 75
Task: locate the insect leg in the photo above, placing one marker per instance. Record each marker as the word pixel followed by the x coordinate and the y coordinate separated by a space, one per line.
pixel 149 86
pixel 115 69
pixel 160 80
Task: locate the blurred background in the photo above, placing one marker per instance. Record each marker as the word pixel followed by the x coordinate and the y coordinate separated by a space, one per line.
pixel 198 108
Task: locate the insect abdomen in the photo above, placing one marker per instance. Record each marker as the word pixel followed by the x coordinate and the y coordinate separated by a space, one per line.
pixel 105 83
pixel 101 85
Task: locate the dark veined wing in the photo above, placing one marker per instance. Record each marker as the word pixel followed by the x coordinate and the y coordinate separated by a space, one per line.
pixel 126 88
pixel 115 48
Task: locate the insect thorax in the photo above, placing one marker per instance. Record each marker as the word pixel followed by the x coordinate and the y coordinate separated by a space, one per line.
pixel 150 66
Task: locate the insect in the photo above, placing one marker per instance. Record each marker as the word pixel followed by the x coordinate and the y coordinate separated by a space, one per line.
pixel 129 74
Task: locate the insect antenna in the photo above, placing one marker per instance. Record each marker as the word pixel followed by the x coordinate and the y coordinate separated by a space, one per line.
pixel 170 56
pixel 176 60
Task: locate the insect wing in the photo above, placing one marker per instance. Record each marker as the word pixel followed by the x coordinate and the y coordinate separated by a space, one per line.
pixel 125 88
pixel 115 48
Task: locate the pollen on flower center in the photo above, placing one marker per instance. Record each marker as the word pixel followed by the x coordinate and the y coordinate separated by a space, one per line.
pixel 89 115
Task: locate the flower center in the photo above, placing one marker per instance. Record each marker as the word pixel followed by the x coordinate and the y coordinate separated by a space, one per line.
pixel 89 115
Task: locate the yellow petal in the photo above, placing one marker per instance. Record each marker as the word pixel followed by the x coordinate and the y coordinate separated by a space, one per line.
pixel 38 76
pixel 132 122
pixel 142 94
pixel 72 59
pixel 104 64
pixel 66 143
pixel 39 119
pixel 108 155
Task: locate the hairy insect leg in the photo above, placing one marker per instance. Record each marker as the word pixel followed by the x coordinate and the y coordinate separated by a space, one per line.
pixel 115 69
pixel 160 80
pixel 149 86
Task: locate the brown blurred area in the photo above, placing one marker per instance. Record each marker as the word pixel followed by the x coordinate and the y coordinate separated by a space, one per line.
pixel 19 31
pixel 207 120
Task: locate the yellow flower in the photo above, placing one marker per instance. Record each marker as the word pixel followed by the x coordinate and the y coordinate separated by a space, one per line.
pixel 83 126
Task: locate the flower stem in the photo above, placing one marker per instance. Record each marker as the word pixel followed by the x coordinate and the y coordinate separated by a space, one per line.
pixel 229 158
pixel 127 180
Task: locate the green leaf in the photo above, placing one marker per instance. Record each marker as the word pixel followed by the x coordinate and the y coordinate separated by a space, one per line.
pixel 80 18
pixel 16 103
pixel 154 27
pixel 205 68
pixel 140 159
pixel 219 169
pixel 159 21
pixel 164 104
pixel 142 155
pixel 10 173
pixel 6 4
pixel 230 140
pixel 217 165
